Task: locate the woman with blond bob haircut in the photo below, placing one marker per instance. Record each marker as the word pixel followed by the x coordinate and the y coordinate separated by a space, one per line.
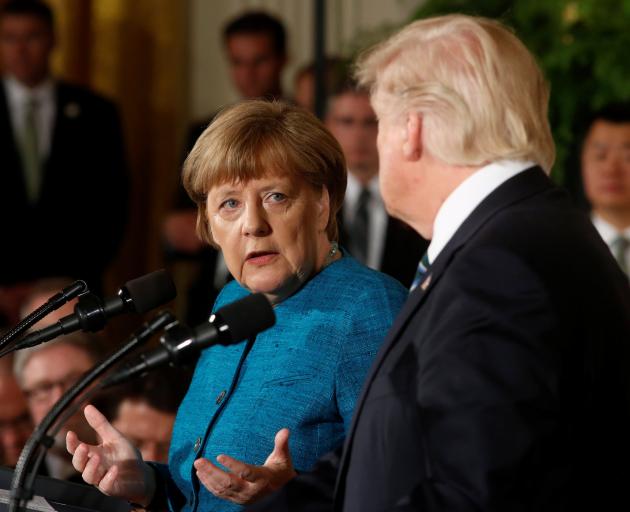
pixel 268 179
pixel 473 111
pixel 258 137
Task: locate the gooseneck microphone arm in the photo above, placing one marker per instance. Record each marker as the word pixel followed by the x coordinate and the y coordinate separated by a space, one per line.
pixel 40 441
pixel 92 313
pixel 55 302
pixel 231 324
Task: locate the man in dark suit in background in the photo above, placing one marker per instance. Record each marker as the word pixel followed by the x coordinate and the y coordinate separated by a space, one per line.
pixel 367 231
pixel 606 178
pixel 63 186
pixel 504 383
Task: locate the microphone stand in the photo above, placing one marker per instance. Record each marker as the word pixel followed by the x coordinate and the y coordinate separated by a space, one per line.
pixel 40 441
pixel 55 302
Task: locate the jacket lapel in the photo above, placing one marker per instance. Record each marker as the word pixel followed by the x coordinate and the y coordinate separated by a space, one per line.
pixel 10 154
pixel 59 138
pixel 525 184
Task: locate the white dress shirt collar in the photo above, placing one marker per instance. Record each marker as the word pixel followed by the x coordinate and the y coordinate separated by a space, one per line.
pixel 467 196
pixel 610 234
pixel 17 97
pixel 19 93
pixel 607 231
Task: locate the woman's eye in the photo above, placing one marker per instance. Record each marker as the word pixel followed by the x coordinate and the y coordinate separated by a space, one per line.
pixel 277 197
pixel 229 204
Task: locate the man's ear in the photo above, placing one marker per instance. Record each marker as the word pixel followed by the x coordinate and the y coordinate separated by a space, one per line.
pixel 323 210
pixel 412 146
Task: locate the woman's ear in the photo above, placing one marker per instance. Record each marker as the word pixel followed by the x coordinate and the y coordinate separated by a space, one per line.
pixel 412 145
pixel 323 209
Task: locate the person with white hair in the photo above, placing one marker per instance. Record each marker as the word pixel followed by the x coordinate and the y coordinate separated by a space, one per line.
pixel 503 384
pixel 15 422
pixel 44 373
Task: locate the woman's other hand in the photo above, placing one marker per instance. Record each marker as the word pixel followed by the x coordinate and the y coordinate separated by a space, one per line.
pixel 114 466
pixel 246 483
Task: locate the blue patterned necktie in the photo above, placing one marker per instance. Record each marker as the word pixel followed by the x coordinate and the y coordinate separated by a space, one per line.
pixel 423 266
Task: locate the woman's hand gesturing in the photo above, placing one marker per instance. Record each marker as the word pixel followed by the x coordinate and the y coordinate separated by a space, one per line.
pixel 114 466
pixel 247 483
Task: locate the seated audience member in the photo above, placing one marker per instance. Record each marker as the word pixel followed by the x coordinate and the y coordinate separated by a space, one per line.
pixel 372 236
pixel 144 411
pixel 256 49
pixel 44 373
pixel 63 185
pixel 606 178
pixel 268 180
pixel 15 421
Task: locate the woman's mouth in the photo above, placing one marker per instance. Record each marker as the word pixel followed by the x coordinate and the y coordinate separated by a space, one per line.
pixel 260 257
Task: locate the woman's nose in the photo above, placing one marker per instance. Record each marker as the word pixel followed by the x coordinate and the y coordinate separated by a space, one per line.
pixel 255 221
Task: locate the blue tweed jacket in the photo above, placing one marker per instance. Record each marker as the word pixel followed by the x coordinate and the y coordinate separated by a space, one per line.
pixel 305 373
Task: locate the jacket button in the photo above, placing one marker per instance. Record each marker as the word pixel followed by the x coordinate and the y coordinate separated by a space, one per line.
pixel 197 444
pixel 220 397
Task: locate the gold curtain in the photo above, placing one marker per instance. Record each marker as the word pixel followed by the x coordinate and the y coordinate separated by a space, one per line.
pixel 134 52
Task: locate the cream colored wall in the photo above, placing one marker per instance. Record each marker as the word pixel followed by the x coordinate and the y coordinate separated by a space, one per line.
pixel 346 20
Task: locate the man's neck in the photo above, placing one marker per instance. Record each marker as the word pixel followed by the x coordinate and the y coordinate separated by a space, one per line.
pixel 618 218
pixel 30 84
pixel 364 176
pixel 34 81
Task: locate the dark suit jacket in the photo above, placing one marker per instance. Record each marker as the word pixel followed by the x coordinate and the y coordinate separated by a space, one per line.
pixel 402 250
pixel 504 383
pixel 77 224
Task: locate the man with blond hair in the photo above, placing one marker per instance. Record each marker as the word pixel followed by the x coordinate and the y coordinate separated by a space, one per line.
pixel 503 384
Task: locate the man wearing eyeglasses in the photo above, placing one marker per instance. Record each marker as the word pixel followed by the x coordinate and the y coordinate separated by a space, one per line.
pixel 44 373
pixel 15 421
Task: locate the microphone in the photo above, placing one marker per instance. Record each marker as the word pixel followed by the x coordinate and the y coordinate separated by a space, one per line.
pixel 52 304
pixel 231 324
pixel 68 293
pixel 91 313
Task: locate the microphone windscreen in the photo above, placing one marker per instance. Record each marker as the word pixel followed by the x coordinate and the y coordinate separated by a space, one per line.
pixel 248 316
pixel 151 290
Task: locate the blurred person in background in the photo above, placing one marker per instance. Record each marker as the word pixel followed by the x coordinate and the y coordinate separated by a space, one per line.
pixel 375 238
pixel 144 410
pixel 44 373
pixel 256 49
pixel 63 186
pixel 606 177
pixel 15 421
